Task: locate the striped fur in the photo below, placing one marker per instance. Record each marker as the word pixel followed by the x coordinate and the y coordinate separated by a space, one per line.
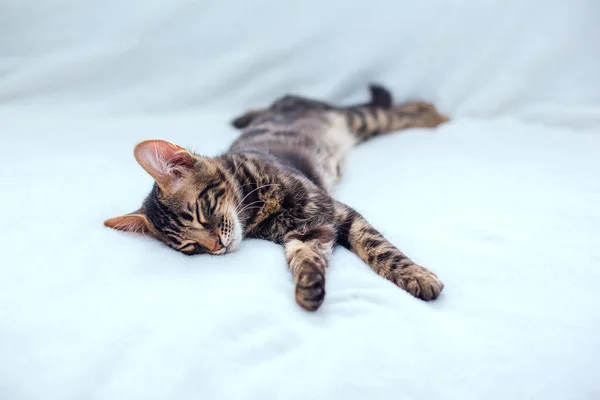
pixel 276 183
pixel 358 236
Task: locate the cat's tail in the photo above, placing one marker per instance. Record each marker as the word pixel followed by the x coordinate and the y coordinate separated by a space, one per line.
pixel 380 116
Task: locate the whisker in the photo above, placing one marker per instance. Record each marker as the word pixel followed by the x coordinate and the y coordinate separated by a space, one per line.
pixel 247 207
pixel 251 208
pixel 252 191
pixel 254 202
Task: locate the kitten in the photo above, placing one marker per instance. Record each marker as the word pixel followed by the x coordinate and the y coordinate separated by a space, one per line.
pixel 275 183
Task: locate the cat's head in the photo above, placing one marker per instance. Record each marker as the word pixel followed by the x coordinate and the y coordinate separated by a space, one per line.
pixel 192 206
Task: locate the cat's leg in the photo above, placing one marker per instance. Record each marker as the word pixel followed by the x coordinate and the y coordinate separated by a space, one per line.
pixel 357 235
pixel 368 121
pixel 307 254
pixel 246 119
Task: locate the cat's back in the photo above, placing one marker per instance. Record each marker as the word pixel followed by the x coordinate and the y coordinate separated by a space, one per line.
pixel 312 141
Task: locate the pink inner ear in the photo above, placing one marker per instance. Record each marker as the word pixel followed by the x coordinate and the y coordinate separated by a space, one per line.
pixel 182 158
pixel 135 223
pixel 164 161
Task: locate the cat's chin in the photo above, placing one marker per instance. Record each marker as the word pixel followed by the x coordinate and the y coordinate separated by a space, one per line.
pixel 237 236
pixel 222 250
pixel 230 248
pixel 233 246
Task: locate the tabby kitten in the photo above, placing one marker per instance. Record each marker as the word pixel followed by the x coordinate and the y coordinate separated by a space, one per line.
pixel 275 183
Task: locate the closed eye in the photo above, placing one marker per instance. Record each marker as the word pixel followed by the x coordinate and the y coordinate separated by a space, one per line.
pixel 175 239
pixel 206 189
pixel 198 214
pixel 208 199
pixel 214 201
pixel 191 249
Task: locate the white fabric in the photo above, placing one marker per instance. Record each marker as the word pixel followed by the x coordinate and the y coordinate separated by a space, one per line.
pixel 502 202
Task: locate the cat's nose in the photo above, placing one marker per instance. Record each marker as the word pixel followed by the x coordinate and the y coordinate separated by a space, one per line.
pixel 218 244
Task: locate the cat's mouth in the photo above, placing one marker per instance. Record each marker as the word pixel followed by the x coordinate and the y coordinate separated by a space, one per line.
pixel 228 247
pixel 222 250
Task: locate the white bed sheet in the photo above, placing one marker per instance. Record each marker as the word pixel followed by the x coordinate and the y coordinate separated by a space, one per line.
pixel 502 202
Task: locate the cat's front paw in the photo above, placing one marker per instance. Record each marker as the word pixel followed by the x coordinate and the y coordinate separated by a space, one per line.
pixel 420 282
pixel 310 289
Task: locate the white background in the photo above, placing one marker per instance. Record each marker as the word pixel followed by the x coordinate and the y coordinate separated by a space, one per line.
pixel 502 202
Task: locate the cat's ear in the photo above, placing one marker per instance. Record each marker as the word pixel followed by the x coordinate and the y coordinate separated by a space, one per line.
pixel 164 161
pixel 134 223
